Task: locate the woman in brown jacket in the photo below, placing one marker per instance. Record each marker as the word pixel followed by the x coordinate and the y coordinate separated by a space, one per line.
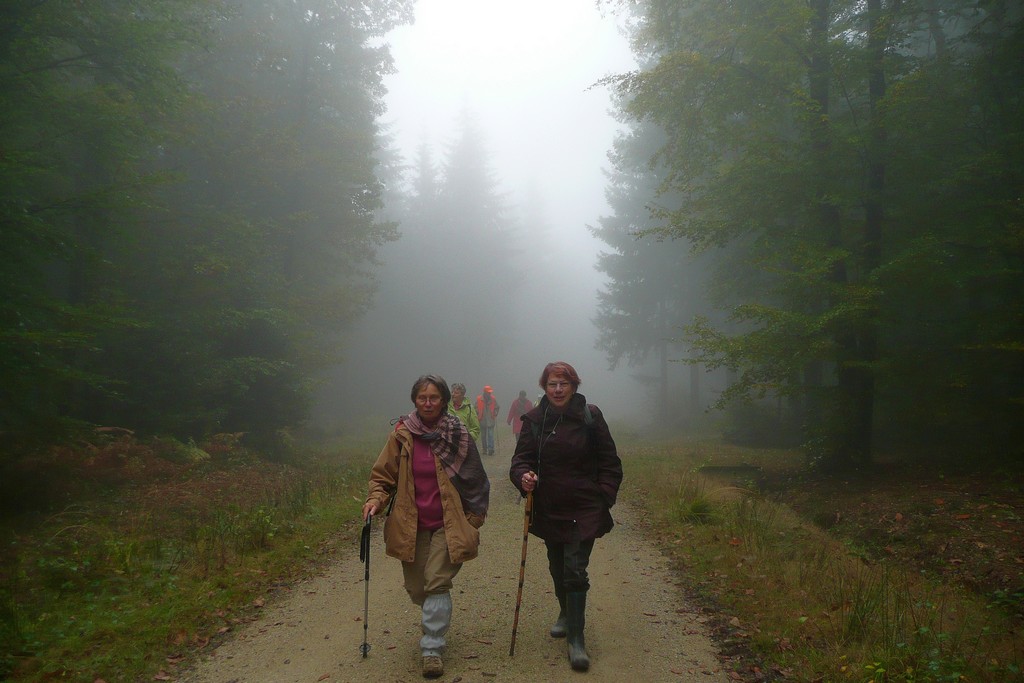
pixel 432 469
pixel 566 456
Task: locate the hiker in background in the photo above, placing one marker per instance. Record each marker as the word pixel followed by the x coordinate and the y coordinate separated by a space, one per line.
pixel 461 408
pixel 432 471
pixel 516 411
pixel 487 413
pixel 566 456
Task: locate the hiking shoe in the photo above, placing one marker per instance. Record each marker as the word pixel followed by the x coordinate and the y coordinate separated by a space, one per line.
pixel 432 667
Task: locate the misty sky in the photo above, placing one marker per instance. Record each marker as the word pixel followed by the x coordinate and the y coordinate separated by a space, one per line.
pixel 524 69
pixel 524 66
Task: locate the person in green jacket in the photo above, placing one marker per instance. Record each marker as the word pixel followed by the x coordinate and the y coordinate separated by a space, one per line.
pixel 461 408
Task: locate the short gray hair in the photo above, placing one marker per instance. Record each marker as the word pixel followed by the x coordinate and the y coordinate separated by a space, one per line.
pixel 437 381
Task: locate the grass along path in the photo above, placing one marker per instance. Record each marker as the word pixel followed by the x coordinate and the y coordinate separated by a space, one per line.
pixel 639 624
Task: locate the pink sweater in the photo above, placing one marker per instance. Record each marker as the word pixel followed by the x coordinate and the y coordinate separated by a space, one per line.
pixel 428 495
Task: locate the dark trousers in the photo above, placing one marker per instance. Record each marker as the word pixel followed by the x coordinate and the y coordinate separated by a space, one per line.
pixel 568 563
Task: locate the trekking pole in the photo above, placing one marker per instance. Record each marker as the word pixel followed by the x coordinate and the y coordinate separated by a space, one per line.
pixel 522 569
pixel 364 556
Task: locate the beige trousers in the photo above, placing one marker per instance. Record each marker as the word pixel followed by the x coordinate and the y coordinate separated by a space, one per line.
pixel 432 571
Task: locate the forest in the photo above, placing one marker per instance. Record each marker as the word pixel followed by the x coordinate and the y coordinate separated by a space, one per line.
pixel 849 181
pixel 188 209
pixel 815 205
pixel 827 213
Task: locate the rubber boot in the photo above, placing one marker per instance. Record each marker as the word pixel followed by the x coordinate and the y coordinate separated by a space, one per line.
pixel 437 617
pixel 558 629
pixel 576 609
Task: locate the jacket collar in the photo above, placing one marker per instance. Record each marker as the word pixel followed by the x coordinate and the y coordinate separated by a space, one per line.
pixel 577 404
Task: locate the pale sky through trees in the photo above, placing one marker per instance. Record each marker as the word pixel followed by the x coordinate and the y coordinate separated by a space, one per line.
pixel 524 69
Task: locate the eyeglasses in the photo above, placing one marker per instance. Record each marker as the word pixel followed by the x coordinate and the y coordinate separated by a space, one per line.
pixel 429 399
pixel 559 385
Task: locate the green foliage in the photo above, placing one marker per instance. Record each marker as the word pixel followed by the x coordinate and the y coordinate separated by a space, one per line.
pixel 161 552
pixel 84 87
pixel 812 608
pixel 692 504
pixel 187 195
pixel 649 297
pixel 854 171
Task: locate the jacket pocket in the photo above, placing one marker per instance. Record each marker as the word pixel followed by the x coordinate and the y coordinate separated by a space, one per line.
pixel 589 492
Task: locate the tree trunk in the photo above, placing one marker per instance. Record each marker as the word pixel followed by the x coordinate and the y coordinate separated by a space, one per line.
pixel 695 405
pixel 862 376
pixel 935 28
pixel 827 425
pixel 663 408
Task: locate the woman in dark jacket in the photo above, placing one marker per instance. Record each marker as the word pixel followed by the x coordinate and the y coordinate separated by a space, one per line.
pixel 566 456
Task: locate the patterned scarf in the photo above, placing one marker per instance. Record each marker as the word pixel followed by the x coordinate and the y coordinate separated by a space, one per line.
pixel 449 441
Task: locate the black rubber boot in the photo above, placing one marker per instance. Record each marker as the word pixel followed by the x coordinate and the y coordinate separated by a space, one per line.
pixel 576 609
pixel 559 629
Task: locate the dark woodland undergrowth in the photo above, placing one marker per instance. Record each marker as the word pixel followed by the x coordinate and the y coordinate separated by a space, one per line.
pixel 908 572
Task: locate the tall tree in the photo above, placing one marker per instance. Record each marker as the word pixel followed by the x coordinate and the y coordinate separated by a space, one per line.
pixel 476 220
pixel 87 92
pixel 953 316
pixel 446 297
pixel 209 300
pixel 783 145
pixel 278 210
pixel 655 286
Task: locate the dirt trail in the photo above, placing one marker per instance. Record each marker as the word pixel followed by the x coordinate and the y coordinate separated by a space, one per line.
pixel 639 625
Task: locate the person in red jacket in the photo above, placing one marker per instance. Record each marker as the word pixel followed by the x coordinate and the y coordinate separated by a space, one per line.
pixel 487 413
pixel 516 412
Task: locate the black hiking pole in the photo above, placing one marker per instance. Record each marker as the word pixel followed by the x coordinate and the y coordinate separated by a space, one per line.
pixel 364 556
pixel 522 570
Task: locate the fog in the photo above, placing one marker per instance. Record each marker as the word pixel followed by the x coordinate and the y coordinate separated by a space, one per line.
pixel 497 278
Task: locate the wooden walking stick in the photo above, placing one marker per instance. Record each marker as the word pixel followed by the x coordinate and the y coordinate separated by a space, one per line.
pixel 522 569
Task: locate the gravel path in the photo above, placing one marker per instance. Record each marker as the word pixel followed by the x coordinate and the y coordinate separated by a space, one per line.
pixel 639 625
